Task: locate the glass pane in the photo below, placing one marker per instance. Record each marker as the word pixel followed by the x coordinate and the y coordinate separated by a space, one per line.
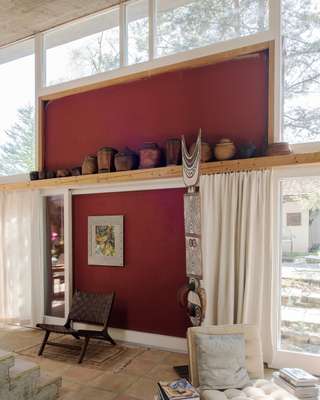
pixel 83 49
pixel 300 271
pixel 187 24
pixel 301 57
pixel 138 31
pixel 55 272
pixel 17 100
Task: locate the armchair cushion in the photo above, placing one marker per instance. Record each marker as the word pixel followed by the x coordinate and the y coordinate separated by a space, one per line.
pixel 221 361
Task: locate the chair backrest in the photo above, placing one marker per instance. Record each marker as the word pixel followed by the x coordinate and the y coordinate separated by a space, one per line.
pixel 253 350
pixel 91 308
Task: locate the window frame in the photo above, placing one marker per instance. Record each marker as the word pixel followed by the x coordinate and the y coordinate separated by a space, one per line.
pixel 16 51
pixel 279 357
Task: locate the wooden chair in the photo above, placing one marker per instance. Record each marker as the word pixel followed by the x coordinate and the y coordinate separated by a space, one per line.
pixel 253 350
pixel 87 308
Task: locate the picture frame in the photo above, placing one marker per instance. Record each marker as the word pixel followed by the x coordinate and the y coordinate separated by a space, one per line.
pixel 105 240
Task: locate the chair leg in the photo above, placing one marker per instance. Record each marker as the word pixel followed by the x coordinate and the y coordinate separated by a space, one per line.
pixel 44 342
pixel 84 349
pixel 109 338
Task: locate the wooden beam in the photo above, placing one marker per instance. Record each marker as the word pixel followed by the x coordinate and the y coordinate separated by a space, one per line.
pixel 271 92
pixel 40 138
pixel 214 167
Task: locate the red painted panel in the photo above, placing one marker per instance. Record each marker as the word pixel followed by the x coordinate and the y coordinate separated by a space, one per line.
pixel 229 99
pixel 146 288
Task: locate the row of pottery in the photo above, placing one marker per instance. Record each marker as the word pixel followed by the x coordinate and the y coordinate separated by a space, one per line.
pixel 109 159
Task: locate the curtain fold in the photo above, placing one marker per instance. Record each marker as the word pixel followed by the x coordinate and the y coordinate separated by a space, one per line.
pixel 237 250
pixel 20 275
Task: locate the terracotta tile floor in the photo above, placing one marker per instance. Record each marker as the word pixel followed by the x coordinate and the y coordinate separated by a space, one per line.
pixel 137 381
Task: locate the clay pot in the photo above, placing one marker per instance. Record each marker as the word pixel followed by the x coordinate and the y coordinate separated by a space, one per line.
pixel 42 174
pixel 76 171
pixel 224 150
pixel 126 160
pixel 278 149
pixel 173 152
pixel 51 174
pixel 206 151
pixel 34 175
pixel 89 165
pixel 150 156
pixel 106 159
pixel 62 173
pixel 247 150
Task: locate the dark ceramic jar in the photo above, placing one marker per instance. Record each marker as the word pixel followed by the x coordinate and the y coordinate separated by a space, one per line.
pixel 106 159
pixel 90 165
pixel 126 160
pixel 173 152
pixel 150 156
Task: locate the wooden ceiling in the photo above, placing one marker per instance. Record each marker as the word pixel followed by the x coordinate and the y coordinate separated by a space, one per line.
pixel 22 18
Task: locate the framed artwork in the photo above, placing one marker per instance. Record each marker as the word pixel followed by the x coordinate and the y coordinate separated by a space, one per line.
pixel 105 240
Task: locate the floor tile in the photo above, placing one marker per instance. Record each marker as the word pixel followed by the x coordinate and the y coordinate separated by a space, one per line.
pixel 81 374
pixel 143 389
pixel 117 383
pixel 176 359
pixel 154 355
pixel 162 372
pixel 139 367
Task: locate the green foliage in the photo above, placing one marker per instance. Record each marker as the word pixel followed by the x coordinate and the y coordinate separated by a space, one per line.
pixel 17 154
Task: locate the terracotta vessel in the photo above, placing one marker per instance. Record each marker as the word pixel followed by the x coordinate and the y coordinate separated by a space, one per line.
pixel 51 174
pixel 106 159
pixel 34 175
pixel 278 149
pixel 150 155
pixel 76 171
pixel 62 173
pixel 126 160
pixel 173 152
pixel 206 151
pixel 224 150
pixel 247 150
pixel 42 174
pixel 89 165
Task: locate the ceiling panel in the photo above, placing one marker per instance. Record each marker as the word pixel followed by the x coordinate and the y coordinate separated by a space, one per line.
pixel 22 18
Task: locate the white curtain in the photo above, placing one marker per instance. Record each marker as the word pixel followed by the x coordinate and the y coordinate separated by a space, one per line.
pixel 237 249
pixel 20 273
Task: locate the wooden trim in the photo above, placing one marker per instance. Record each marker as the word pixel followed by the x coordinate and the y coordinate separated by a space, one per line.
pixel 194 63
pixel 271 93
pixel 40 135
pixel 215 167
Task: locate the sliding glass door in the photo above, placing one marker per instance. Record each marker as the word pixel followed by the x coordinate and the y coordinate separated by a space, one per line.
pixel 298 272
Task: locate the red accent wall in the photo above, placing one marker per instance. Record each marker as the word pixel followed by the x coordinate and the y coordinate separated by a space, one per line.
pixel 146 288
pixel 229 99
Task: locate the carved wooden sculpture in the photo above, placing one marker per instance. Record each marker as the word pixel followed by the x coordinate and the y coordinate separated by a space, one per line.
pixel 192 296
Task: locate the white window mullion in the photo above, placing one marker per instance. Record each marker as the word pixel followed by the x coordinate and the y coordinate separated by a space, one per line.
pixel 40 78
pixel 152 29
pixel 40 63
pixel 123 35
pixel 275 28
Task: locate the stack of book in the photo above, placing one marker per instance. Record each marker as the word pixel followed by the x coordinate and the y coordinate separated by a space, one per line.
pixel 298 382
pixel 177 390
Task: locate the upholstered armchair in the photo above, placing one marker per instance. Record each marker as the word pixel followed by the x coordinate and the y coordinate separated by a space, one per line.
pixel 253 352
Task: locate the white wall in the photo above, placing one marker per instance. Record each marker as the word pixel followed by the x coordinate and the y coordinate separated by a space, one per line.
pixel 295 238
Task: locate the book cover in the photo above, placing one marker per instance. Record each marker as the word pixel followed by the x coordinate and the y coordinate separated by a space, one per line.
pixel 178 390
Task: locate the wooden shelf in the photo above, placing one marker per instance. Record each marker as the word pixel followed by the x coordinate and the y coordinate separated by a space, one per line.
pixel 168 172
